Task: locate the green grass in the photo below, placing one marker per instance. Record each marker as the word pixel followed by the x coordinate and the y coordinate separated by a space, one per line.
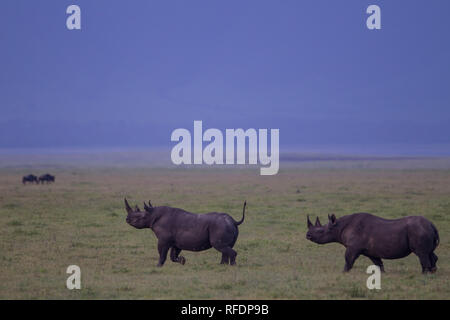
pixel 81 220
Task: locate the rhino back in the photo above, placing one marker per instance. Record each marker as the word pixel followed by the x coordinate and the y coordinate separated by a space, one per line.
pixel 378 237
pixel 190 231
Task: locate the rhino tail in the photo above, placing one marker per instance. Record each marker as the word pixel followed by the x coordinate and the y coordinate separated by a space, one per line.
pixel 243 215
pixel 436 236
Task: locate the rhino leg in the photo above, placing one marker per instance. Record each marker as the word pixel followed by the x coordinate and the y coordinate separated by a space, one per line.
pixel 225 259
pixel 351 255
pixel 425 261
pixel 163 249
pixel 378 262
pixel 433 259
pixel 229 253
pixel 174 255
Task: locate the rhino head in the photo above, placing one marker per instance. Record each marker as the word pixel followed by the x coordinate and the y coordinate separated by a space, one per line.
pixel 323 234
pixel 137 218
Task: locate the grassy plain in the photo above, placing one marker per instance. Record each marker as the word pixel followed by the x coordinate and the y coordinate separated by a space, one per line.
pixel 81 220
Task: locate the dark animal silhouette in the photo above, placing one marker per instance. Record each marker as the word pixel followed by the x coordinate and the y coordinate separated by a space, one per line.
pixel 378 238
pixel 30 178
pixel 48 178
pixel 178 230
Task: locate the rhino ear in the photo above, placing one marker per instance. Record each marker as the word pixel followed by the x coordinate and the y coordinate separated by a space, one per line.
pixel 310 225
pixel 148 208
pixel 127 206
pixel 318 224
pixel 333 219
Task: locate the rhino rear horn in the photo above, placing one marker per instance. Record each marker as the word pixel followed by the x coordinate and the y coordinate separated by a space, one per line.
pixel 318 224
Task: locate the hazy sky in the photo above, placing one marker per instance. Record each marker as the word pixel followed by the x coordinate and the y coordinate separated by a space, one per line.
pixel 140 69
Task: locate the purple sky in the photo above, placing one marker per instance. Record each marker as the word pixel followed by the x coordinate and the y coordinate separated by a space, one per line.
pixel 140 69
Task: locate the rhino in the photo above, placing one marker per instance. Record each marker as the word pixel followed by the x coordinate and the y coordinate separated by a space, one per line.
pixel 177 230
pixel 378 238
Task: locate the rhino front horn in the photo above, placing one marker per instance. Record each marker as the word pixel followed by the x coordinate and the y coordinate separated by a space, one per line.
pixel 309 222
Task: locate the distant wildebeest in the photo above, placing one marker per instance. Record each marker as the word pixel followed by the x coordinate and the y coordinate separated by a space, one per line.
pixel 30 178
pixel 48 178
pixel 178 230
pixel 378 238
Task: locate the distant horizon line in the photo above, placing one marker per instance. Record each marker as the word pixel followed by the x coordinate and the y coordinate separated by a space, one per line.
pixel 386 150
